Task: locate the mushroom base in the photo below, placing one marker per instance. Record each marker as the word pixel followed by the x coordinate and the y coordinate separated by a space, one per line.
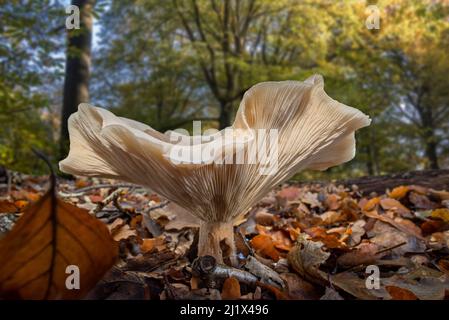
pixel 216 239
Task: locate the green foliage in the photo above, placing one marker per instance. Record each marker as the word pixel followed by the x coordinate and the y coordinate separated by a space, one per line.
pixel 167 63
pixel 28 42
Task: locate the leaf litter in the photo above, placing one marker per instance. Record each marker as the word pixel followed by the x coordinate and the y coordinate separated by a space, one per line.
pixel 309 241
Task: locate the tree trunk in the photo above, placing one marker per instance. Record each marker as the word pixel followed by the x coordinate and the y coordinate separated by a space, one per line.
pixel 76 83
pixel 431 148
pixel 225 115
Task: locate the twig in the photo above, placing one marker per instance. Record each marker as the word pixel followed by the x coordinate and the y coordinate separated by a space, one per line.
pixel 208 269
pixel 391 248
pixel 159 206
pixel 110 198
pixel 81 191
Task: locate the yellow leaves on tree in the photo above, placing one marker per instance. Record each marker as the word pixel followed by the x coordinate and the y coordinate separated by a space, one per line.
pixel 48 244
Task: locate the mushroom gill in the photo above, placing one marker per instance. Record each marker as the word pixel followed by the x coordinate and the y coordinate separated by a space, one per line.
pixel 280 128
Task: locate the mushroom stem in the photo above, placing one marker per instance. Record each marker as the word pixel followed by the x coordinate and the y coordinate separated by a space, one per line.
pixel 216 239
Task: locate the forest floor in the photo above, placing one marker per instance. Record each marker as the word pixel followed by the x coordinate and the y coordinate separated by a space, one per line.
pixel 385 239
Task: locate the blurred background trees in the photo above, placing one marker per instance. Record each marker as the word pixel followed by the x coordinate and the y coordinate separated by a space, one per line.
pixel 169 62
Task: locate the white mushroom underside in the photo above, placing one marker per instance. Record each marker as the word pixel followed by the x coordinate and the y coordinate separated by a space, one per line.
pixel 314 132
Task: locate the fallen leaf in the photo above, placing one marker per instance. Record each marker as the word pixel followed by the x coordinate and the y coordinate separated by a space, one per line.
pixel 231 289
pixel 386 236
pixel 371 204
pixel 21 204
pixel 392 204
pixel 399 192
pixel 431 226
pixel 364 254
pixel 332 202
pixel 421 201
pixel 151 244
pixel 357 232
pixel 442 214
pixel 331 217
pixel 311 199
pixel 351 283
pixel 441 194
pixel 120 230
pixel 331 294
pixel 397 293
pixel 298 288
pixel 7 207
pixel 289 193
pixel 443 265
pixel 50 236
pixel 401 224
pixel 264 244
pixel 306 258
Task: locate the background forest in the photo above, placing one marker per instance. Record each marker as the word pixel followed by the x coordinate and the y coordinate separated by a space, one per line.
pixel 167 63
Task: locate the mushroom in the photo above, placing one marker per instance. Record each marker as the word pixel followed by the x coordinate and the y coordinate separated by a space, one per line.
pixel 218 177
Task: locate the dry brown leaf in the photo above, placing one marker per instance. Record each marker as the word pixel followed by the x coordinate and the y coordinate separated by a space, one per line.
pixel 364 254
pixel 231 289
pixel 331 294
pixel 421 201
pixel 441 194
pixel 50 236
pixel 330 217
pixel 306 258
pixel 332 202
pixel 399 223
pixel 120 230
pixel 351 283
pixel 289 193
pixel 298 288
pixel 392 204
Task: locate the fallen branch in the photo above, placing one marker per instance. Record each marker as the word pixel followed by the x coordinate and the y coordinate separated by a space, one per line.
pixel 82 191
pixel 112 197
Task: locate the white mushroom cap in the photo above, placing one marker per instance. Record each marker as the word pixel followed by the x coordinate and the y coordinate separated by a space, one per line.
pixel 314 132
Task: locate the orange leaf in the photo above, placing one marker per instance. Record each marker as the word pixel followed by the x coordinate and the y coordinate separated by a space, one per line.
pixel 399 192
pixel 231 289
pixel 397 293
pixel 371 204
pixel 262 243
pixel 50 236
pixel 150 244
pixel 21 204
